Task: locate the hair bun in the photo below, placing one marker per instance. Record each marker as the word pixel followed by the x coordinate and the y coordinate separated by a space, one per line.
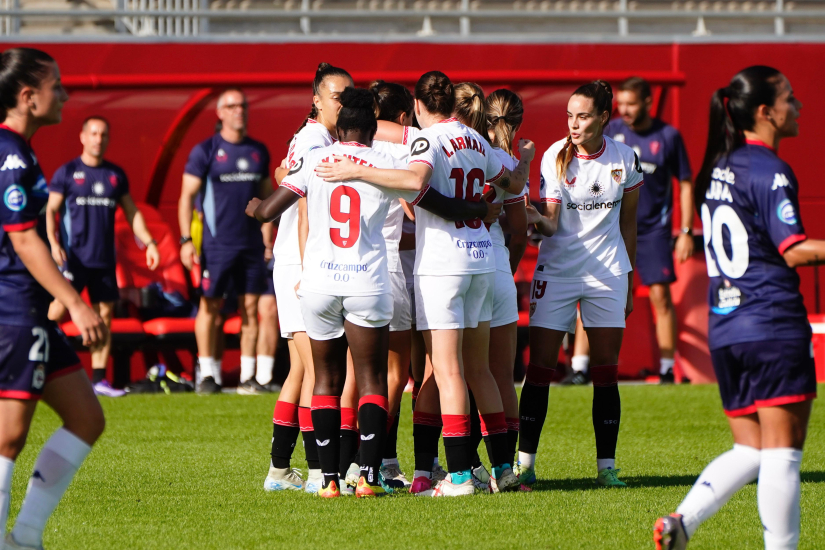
pixel 606 86
pixel 375 84
pixel 322 67
pixel 357 98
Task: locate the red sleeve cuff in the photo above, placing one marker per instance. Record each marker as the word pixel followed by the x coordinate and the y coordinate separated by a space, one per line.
pixel 420 195
pixel 497 176
pixel 423 161
pixel 554 201
pixel 12 227
pixel 633 187
pixel 790 241
pixel 515 200
pixel 293 189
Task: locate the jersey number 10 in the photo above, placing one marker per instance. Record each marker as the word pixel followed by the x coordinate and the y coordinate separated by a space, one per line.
pixel 466 189
pixel 724 217
pixel 352 217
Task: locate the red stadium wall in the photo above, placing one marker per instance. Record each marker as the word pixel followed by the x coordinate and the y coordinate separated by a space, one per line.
pixel 160 101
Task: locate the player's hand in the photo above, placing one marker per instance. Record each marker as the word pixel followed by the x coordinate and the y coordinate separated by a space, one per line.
pixel 526 150
pixel 59 255
pixel 267 254
pixel 152 256
pixel 92 328
pixel 684 247
pixel 533 215
pixel 297 287
pixel 341 169
pixel 284 164
pixel 251 206
pixel 493 212
pixel 188 256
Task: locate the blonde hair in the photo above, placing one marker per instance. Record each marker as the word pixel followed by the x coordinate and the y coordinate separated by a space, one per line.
pixel 469 107
pixel 602 95
pixel 505 113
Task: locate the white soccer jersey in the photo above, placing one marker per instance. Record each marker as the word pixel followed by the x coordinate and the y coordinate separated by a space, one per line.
pixel 395 217
pixel 346 254
pixel 312 136
pixel 502 253
pixel 462 161
pixel 588 245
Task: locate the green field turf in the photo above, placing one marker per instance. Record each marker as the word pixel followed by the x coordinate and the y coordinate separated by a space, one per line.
pixel 186 471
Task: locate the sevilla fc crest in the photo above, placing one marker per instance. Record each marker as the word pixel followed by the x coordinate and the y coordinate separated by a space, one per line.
pixel 654 147
pixel 532 308
pixel 617 175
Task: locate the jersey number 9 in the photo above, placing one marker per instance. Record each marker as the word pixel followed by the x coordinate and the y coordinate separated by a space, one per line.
pixel 352 217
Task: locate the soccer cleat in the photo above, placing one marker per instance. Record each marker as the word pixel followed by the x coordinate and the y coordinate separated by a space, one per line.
pixel 447 488
pixel 439 473
pixel 505 482
pixel 609 477
pixel 669 533
pixel 481 474
pixel 12 544
pixel 421 485
pixel 667 378
pixel 208 386
pixel 283 479
pixel 393 476
pixel 315 479
pixel 105 389
pixel 526 475
pixel 351 480
pixel 576 378
pixel 330 491
pixel 251 387
pixel 365 490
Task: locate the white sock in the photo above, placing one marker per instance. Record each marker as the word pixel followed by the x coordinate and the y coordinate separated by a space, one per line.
pixel 605 463
pixel 666 365
pixel 206 366
pixel 56 465
pixel 778 497
pixel 720 479
pixel 217 371
pixel 423 473
pixel 579 363
pixel 528 460
pixel 247 368
pixel 389 461
pixel 266 364
pixel 6 469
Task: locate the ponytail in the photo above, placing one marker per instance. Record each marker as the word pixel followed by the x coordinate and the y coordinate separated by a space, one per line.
pixel 469 107
pixel 324 71
pixel 505 113
pixel 20 67
pixel 564 157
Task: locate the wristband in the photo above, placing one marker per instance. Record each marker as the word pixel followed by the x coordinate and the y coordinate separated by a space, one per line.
pixel 184 240
pixel 687 231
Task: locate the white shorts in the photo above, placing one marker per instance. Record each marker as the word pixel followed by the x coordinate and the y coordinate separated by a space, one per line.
pixel 290 318
pixel 401 319
pixel 453 301
pixel 553 303
pixel 325 314
pixel 411 291
pixel 505 300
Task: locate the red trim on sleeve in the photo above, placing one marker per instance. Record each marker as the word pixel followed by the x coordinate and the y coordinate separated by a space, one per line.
pixel 420 195
pixel 16 394
pixel 750 409
pixel 514 200
pixel 785 400
pixel 760 143
pixel 790 241
pixel 497 176
pixel 12 227
pixel 293 189
pixel 423 161
pixel 554 201
pixel 633 188
pixel 406 135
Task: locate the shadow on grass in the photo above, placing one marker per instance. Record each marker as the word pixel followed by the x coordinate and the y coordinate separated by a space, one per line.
pixel 589 483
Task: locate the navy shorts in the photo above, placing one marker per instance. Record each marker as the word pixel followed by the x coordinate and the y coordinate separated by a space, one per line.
pixel 270 282
pixel 244 268
pixel 32 356
pixel 654 258
pixel 101 282
pixel 764 374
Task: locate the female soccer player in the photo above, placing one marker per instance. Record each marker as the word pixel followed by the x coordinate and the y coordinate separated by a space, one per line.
pixel 318 130
pixel 345 287
pixel 589 187
pixel 454 269
pixel 759 335
pixel 37 361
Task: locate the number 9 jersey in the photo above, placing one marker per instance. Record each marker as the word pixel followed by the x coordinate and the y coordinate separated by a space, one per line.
pixel 750 217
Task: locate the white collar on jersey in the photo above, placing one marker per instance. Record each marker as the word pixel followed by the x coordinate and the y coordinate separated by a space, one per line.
pixel 352 144
pixel 594 155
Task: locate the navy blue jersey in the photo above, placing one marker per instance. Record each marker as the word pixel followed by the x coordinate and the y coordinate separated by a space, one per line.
pixel 661 151
pixel 231 174
pixel 750 217
pixel 23 302
pixel 91 195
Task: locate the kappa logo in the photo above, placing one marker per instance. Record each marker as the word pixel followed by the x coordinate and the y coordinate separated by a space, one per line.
pixel 367 437
pixel 655 146
pixel 12 162
pixel 297 166
pixel 779 180
pixel 323 443
pixel 419 146
pixel 38 475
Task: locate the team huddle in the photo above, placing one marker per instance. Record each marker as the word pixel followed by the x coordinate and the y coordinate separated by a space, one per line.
pixel 401 220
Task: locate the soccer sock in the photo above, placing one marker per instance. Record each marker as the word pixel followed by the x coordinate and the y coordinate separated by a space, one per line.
pixel 98 375
pixel 266 364
pixel 54 469
pixel 349 440
pixel 666 365
pixel 308 435
pixel 426 432
pixel 326 421
pixel 206 366
pixel 532 407
pixel 6 470
pixel 778 497
pixel 607 411
pixel 391 444
pixel 217 371
pixel 457 442
pixel 512 438
pixel 579 363
pixel 528 460
pixel 494 430
pixel 247 368
pixel 720 479
pixel 415 390
pixel 372 419
pixel 476 434
pixel 285 430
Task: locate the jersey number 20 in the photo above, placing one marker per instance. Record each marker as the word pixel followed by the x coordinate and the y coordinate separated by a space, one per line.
pixel 352 217
pixel 724 217
pixel 467 190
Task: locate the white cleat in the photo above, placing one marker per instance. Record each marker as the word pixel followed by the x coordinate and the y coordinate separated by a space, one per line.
pixel 507 481
pixel 283 479
pixel 315 480
pixel 12 544
pixel 447 488
pixel 351 480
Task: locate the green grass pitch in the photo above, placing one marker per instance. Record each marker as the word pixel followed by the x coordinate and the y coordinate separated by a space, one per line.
pixel 187 472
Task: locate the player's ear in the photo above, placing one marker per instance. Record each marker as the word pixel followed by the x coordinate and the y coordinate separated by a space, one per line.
pixel 648 102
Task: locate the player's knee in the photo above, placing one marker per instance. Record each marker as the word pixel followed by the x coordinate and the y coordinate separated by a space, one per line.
pixel 14 439
pixel 604 375
pixel 660 298
pixel 88 423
